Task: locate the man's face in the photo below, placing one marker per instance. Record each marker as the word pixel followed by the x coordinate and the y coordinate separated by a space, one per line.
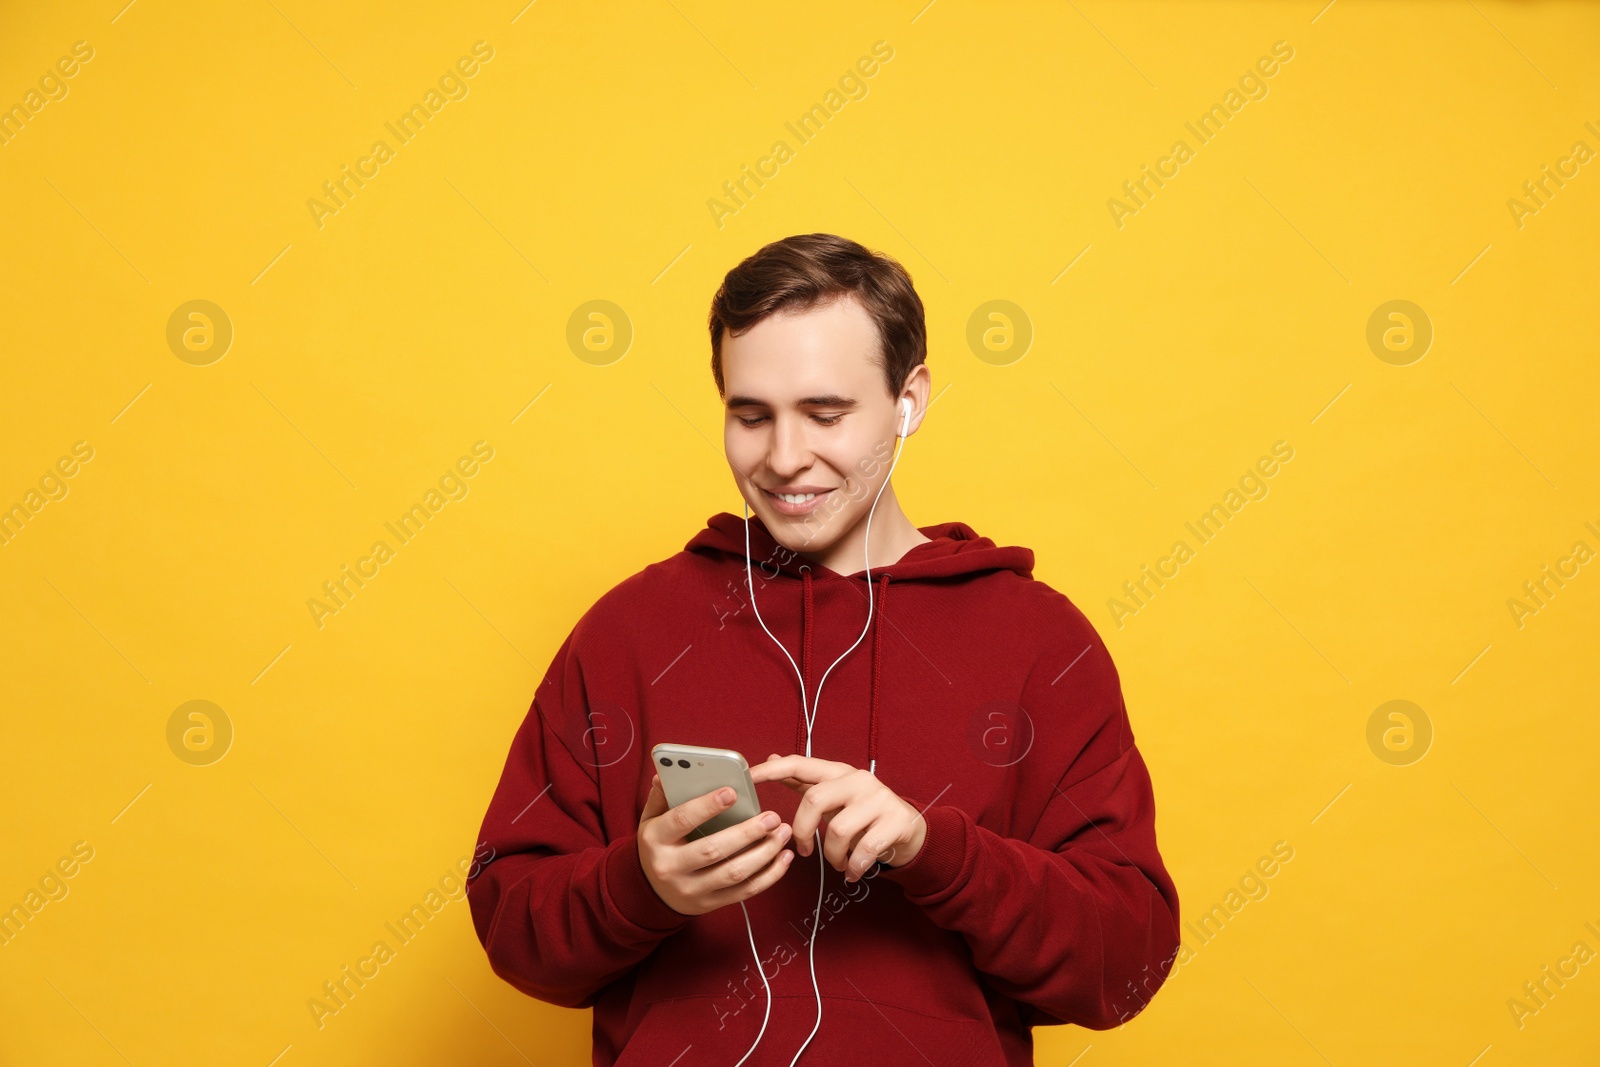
pixel 809 415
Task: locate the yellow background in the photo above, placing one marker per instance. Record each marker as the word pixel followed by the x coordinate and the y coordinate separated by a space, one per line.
pixel 369 354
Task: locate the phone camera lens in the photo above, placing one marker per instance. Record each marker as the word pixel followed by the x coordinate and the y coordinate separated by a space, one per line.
pixel 684 764
pixel 665 762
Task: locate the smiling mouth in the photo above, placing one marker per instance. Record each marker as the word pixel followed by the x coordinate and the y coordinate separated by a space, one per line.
pixel 796 503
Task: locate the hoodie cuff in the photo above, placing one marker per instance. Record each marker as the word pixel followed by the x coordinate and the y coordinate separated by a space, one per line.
pixel 943 856
pixel 631 894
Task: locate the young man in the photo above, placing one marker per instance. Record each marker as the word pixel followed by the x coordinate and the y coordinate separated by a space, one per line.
pixel 960 839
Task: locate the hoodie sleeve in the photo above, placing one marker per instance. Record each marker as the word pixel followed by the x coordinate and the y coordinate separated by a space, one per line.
pixel 561 911
pixel 1079 921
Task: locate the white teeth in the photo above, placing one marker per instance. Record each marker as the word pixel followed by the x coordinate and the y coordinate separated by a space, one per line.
pixel 795 498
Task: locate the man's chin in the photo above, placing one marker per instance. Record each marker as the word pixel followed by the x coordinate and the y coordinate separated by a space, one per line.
pixel 800 533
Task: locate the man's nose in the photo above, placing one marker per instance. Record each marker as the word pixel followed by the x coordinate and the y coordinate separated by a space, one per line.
pixel 788 452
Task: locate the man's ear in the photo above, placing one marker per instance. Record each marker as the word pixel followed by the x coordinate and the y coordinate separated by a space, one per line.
pixel 918 386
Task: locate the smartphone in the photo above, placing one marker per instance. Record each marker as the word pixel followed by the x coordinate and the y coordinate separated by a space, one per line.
pixel 689 771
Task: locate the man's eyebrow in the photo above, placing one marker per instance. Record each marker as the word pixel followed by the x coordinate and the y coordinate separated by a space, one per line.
pixel 829 400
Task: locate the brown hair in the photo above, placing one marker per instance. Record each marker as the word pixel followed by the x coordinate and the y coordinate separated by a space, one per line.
pixel 799 272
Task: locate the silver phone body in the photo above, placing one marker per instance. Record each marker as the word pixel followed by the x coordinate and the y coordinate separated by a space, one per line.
pixel 692 771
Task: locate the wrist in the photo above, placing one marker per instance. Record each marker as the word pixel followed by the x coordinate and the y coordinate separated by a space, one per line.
pixel 633 893
pixel 943 857
pixel 904 855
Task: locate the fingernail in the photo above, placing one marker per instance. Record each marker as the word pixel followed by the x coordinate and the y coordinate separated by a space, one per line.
pixel 725 796
pixel 769 820
pixel 784 834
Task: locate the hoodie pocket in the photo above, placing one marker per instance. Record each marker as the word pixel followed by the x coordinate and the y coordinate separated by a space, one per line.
pixel 684 1032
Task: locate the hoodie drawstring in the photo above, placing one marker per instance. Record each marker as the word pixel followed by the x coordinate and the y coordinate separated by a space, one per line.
pixel 805 665
pixel 872 702
pixel 805 660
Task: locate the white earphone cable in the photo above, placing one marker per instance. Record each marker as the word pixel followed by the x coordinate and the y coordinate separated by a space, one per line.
pixel 809 710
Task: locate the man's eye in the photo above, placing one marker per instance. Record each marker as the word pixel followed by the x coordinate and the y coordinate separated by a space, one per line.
pixel 757 420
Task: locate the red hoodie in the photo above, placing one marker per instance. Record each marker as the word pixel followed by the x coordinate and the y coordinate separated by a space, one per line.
pixel 986 700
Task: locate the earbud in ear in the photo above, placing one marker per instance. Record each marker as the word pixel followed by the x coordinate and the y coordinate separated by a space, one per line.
pixel 905 414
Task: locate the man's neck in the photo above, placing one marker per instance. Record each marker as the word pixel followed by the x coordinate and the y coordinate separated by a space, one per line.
pixel 893 535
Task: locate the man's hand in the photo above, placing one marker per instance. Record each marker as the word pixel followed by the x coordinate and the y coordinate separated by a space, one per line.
pixel 866 820
pixel 694 876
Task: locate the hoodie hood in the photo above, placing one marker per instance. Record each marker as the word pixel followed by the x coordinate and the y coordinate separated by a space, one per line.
pixel 955 550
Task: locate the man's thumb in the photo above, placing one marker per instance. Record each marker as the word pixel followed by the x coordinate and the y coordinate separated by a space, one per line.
pixel 656 803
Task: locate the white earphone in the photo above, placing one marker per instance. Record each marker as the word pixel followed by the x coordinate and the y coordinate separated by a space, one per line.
pixel 810 715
